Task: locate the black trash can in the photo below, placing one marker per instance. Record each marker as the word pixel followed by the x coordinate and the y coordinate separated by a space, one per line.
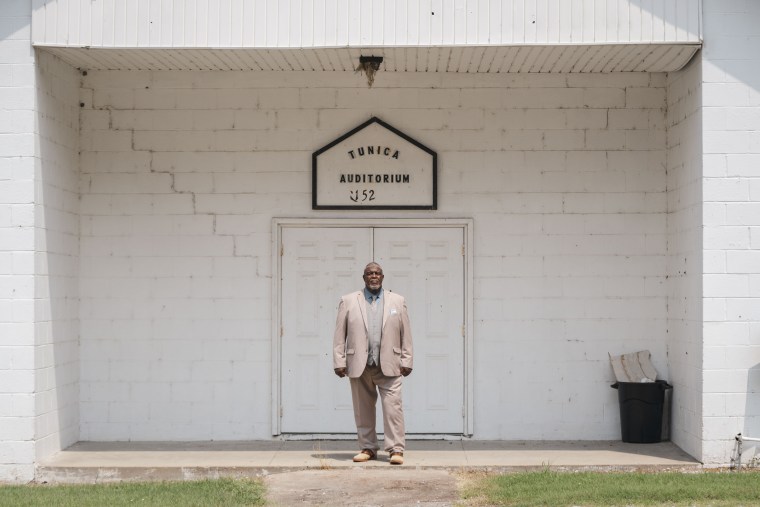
pixel 641 410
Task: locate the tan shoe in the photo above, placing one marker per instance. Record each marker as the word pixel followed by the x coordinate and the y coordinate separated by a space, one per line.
pixel 365 455
pixel 397 458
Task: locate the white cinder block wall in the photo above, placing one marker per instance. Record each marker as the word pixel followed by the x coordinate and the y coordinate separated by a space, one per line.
pixel 39 238
pixel 181 174
pixel 17 193
pixel 56 221
pixel 731 100
pixel 685 258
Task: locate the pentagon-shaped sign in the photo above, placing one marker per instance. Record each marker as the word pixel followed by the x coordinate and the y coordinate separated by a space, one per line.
pixel 374 166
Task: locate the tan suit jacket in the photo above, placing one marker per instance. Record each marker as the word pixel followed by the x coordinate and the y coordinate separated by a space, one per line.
pixel 351 343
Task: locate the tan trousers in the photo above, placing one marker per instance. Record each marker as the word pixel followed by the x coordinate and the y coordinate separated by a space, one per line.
pixel 364 391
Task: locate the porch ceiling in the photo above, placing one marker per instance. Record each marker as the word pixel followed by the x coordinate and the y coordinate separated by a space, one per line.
pixel 469 59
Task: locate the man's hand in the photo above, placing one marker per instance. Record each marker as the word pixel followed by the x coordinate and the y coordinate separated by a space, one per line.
pixel 405 371
pixel 341 372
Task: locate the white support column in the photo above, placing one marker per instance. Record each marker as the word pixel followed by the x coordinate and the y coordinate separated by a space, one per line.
pixel 731 218
pixel 18 139
pixel 39 249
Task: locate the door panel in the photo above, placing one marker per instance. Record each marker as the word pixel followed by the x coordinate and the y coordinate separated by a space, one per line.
pixel 321 264
pixel 318 266
pixel 426 266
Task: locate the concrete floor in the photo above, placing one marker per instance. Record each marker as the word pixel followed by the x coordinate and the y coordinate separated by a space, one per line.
pixel 116 461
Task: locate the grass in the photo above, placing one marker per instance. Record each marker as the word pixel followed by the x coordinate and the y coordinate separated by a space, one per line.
pixel 529 489
pixel 559 489
pixel 227 492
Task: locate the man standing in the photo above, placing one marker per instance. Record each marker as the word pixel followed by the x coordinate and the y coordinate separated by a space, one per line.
pixel 373 346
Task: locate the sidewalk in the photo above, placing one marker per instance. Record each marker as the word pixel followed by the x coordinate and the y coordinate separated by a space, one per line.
pixel 87 462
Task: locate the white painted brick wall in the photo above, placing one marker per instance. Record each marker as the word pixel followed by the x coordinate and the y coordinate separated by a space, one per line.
pixel 731 181
pixel 57 257
pixel 181 174
pixel 17 243
pixel 685 258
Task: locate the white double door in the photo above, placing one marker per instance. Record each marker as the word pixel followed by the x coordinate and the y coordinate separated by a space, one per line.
pixel 426 266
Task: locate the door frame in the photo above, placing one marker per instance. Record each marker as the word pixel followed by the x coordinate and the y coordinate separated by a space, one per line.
pixel 279 224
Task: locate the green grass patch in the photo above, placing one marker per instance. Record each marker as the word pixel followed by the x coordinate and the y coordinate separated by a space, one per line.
pixel 227 492
pixel 559 489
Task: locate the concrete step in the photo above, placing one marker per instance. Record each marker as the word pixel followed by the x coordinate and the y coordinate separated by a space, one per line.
pixel 89 462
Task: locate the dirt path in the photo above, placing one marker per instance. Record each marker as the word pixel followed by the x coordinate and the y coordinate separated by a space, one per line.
pixel 363 487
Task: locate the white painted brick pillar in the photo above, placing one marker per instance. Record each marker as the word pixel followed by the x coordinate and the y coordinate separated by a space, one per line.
pixel 17 194
pixel 731 217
